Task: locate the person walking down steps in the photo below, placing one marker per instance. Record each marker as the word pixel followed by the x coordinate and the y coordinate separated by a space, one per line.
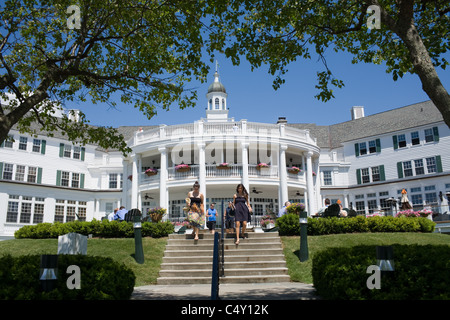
pixel 242 210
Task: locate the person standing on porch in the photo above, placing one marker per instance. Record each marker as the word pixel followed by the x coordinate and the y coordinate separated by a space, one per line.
pixel 242 210
pixel 196 216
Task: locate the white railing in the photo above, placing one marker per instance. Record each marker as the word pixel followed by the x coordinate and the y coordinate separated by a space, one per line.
pixel 213 171
pixel 265 130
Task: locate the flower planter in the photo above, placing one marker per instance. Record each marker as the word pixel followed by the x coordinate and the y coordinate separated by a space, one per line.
pixel 223 167
pixel 183 169
pixel 149 174
pixel 294 171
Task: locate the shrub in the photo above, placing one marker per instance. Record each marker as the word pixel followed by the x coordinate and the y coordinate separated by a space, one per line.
pixel 101 278
pixel 288 225
pixel 340 273
pixel 104 229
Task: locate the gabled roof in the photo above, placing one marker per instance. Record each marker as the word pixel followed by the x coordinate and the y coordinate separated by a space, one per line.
pixel 399 119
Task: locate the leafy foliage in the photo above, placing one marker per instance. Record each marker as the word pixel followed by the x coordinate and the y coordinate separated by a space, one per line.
pixel 340 273
pixel 104 229
pixel 101 279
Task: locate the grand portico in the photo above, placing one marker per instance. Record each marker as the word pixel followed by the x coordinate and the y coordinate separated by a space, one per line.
pixel 214 140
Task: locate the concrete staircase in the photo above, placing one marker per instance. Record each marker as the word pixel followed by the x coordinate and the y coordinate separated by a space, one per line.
pixel 258 258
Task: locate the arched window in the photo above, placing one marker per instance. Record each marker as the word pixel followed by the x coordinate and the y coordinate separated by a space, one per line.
pixel 223 104
pixel 210 104
pixel 217 102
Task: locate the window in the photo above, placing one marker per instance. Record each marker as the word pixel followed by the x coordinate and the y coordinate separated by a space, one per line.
pixel 8 143
pixel 20 173
pixel 419 166
pixel 25 211
pixel 13 210
pixel 362 148
pixel 23 143
pixel 372 205
pixel 217 103
pixel 8 171
pixel 76 152
pixel 417 201
pixel 32 174
pixel 375 174
pixel 360 207
pixel 327 180
pixel 415 140
pixel 113 180
pixel 365 175
pixel 401 141
pixel 429 136
pixel 38 216
pixel 407 169
pixel 431 165
pixel 75 180
pixel 372 146
pixel 67 151
pixel 65 178
pixel 36 145
pixel 431 198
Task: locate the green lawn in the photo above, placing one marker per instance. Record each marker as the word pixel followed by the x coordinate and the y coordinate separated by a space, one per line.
pixel 301 271
pixel 122 250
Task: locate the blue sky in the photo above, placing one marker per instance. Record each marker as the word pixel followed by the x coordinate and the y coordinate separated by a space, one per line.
pixel 251 96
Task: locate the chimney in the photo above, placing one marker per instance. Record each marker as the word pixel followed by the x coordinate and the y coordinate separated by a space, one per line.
pixel 357 112
pixel 74 115
pixel 281 120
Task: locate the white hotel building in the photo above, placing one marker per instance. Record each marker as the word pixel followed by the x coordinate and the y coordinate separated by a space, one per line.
pixel 361 162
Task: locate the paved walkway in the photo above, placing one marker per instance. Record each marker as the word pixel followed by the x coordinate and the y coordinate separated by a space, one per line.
pixel 241 291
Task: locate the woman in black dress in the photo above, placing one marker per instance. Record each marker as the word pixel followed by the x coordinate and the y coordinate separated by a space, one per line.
pixel 242 210
pixel 196 215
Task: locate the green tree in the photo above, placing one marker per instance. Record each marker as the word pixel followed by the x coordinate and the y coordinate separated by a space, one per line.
pixel 412 38
pixel 52 53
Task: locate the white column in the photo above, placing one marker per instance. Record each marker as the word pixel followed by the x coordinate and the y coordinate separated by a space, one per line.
pixel 283 175
pixel 245 181
pixel 163 199
pixel 202 169
pixel 135 182
pixel 124 200
pixel 309 184
pixel 318 183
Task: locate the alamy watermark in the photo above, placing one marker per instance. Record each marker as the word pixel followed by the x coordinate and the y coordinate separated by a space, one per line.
pixel 374 20
pixel 74 21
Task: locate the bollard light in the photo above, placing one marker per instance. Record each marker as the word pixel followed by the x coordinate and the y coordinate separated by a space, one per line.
pixel 303 236
pixel 48 273
pixel 385 258
pixel 139 251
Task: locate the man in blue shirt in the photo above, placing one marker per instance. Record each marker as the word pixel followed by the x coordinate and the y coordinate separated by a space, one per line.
pixel 212 217
pixel 120 215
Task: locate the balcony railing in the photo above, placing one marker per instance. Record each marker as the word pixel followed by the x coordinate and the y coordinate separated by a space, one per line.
pixel 200 128
pixel 214 171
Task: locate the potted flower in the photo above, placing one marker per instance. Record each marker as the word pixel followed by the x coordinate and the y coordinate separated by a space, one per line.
pixel 295 208
pixel 182 167
pixel 180 227
pixel 410 213
pixel 223 165
pixel 261 165
pixel 151 172
pixel 294 170
pixel 426 213
pixel 157 213
pixel 267 223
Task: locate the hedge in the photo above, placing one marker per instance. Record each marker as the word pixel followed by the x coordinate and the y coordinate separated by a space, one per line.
pixel 288 225
pixel 421 273
pixel 101 279
pixel 103 229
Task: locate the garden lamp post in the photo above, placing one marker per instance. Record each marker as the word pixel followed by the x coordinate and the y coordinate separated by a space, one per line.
pixel 48 274
pixel 139 251
pixel 303 236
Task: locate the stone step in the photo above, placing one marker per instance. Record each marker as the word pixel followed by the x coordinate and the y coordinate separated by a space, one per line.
pixel 227 235
pixel 228 272
pixel 229 258
pixel 223 280
pixel 228 265
pixel 209 253
pixel 226 241
pixel 243 244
